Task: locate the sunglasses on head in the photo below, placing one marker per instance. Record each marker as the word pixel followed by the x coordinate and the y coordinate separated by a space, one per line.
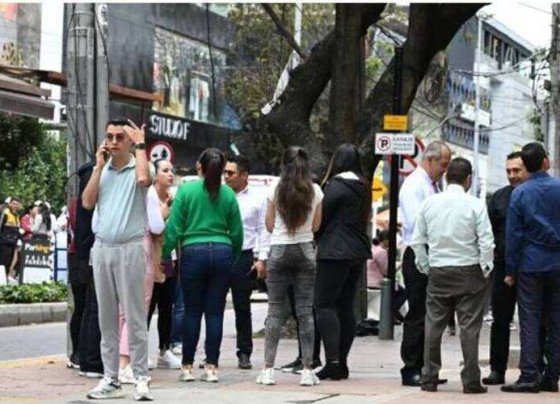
pixel 119 137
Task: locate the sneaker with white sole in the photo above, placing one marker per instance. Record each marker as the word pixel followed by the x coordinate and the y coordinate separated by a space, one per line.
pixel 126 376
pixel 142 389
pixel 168 361
pixel 177 349
pixel 107 388
pixel 152 363
pixel 210 374
pixel 187 374
pixel 266 377
pixel 308 378
pixel 91 375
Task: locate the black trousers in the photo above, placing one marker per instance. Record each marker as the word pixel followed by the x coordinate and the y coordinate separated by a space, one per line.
pixel 90 335
pixel 317 339
pixel 335 288
pixel 241 288
pixel 162 297
pixel 79 290
pixel 412 347
pixel 503 307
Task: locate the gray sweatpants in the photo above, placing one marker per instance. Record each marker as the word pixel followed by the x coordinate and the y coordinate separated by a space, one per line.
pixel 461 290
pixel 119 271
pixel 294 265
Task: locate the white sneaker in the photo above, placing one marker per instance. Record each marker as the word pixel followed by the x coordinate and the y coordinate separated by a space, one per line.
pixel 142 389
pixel 168 361
pixel 152 363
pixel 177 349
pixel 210 375
pixel 126 376
pixel 91 375
pixel 308 378
pixel 187 374
pixel 266 377
pixel 107 388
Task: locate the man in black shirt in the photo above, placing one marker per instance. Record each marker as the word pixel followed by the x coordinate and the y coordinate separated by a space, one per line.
pixel 503 296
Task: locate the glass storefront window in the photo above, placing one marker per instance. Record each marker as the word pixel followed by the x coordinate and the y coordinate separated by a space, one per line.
pixel 183 79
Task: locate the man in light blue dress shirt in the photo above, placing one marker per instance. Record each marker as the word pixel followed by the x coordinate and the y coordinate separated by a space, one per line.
pixel 454 244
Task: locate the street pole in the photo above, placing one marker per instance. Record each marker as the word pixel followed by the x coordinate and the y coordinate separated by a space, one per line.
pixel 388 288
pixel 476 143
pixel 101 71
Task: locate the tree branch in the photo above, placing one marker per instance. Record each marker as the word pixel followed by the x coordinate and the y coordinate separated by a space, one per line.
pixel 283 30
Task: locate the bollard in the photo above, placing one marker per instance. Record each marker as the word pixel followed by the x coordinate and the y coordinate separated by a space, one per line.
pixel 386 315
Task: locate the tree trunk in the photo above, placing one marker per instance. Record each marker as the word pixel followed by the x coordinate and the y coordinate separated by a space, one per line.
pixel 430 29
pixel 289 120
pixel 346 69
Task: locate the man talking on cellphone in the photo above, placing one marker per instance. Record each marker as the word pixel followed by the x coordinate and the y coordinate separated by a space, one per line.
pixel 117 190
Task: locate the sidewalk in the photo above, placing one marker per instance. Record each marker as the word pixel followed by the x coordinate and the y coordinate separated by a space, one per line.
pixel 374 378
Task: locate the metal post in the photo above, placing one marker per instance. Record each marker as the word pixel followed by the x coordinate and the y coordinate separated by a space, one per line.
pixel 101 71
pixel 388 291
pixel 477 63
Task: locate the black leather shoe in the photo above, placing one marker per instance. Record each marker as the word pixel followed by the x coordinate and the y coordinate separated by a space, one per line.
pixel 244 362
pixel 429 386
pixel 494 378
pixel 548 385
pixel 475 389
pixel 521 387
pixel 332 370
pixel 441 381
pixel 344 371
pixel 412 380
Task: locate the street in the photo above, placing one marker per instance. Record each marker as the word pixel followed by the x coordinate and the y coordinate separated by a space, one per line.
pixel 32 370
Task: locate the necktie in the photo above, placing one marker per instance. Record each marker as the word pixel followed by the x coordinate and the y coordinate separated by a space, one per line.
pixel 435 185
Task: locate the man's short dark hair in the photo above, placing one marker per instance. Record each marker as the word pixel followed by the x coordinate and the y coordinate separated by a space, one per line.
pixel 533 155
pixel 458 171
pixel 514 155
pixel 120 121
pixel 241 161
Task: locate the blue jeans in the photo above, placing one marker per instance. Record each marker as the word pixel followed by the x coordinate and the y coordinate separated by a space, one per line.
pixel 205 273
pixel 178 317
pixel 538 294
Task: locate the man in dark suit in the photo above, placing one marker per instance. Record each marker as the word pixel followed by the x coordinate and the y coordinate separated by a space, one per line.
pixel 503 296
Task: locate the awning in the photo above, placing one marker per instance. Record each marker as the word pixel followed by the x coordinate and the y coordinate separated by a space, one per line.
pixel 16 103
pixel 19 97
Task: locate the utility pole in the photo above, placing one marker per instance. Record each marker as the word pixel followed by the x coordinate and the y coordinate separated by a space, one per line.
pixel 101 105
pixel 477 63
pixel 388 286
pixel 80 76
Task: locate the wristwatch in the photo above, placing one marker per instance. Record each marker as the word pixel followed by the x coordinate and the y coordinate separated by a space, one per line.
pixel 140 146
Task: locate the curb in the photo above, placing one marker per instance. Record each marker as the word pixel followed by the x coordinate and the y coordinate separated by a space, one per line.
pixel 32 313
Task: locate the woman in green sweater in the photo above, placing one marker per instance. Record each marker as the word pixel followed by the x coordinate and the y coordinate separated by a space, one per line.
pixel 206 222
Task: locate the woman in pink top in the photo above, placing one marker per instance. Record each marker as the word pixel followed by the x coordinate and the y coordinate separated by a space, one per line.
pixel 377 265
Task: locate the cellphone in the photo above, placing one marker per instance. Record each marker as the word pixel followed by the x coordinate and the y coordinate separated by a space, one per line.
pixel 105 153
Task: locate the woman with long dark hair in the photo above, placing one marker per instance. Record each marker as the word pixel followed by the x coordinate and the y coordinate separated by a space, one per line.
pixel 206 222
pixel 343 248
pixel 293 214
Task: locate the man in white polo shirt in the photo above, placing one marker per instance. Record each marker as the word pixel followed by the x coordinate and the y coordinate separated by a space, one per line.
pixel 117 189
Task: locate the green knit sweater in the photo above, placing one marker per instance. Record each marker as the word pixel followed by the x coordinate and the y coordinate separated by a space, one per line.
pixel 195 218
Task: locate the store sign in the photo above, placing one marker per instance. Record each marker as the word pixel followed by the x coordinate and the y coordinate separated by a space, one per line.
pixel 167 127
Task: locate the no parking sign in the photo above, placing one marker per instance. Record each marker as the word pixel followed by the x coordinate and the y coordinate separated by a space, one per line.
pixel 161 150
pixel 409 162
